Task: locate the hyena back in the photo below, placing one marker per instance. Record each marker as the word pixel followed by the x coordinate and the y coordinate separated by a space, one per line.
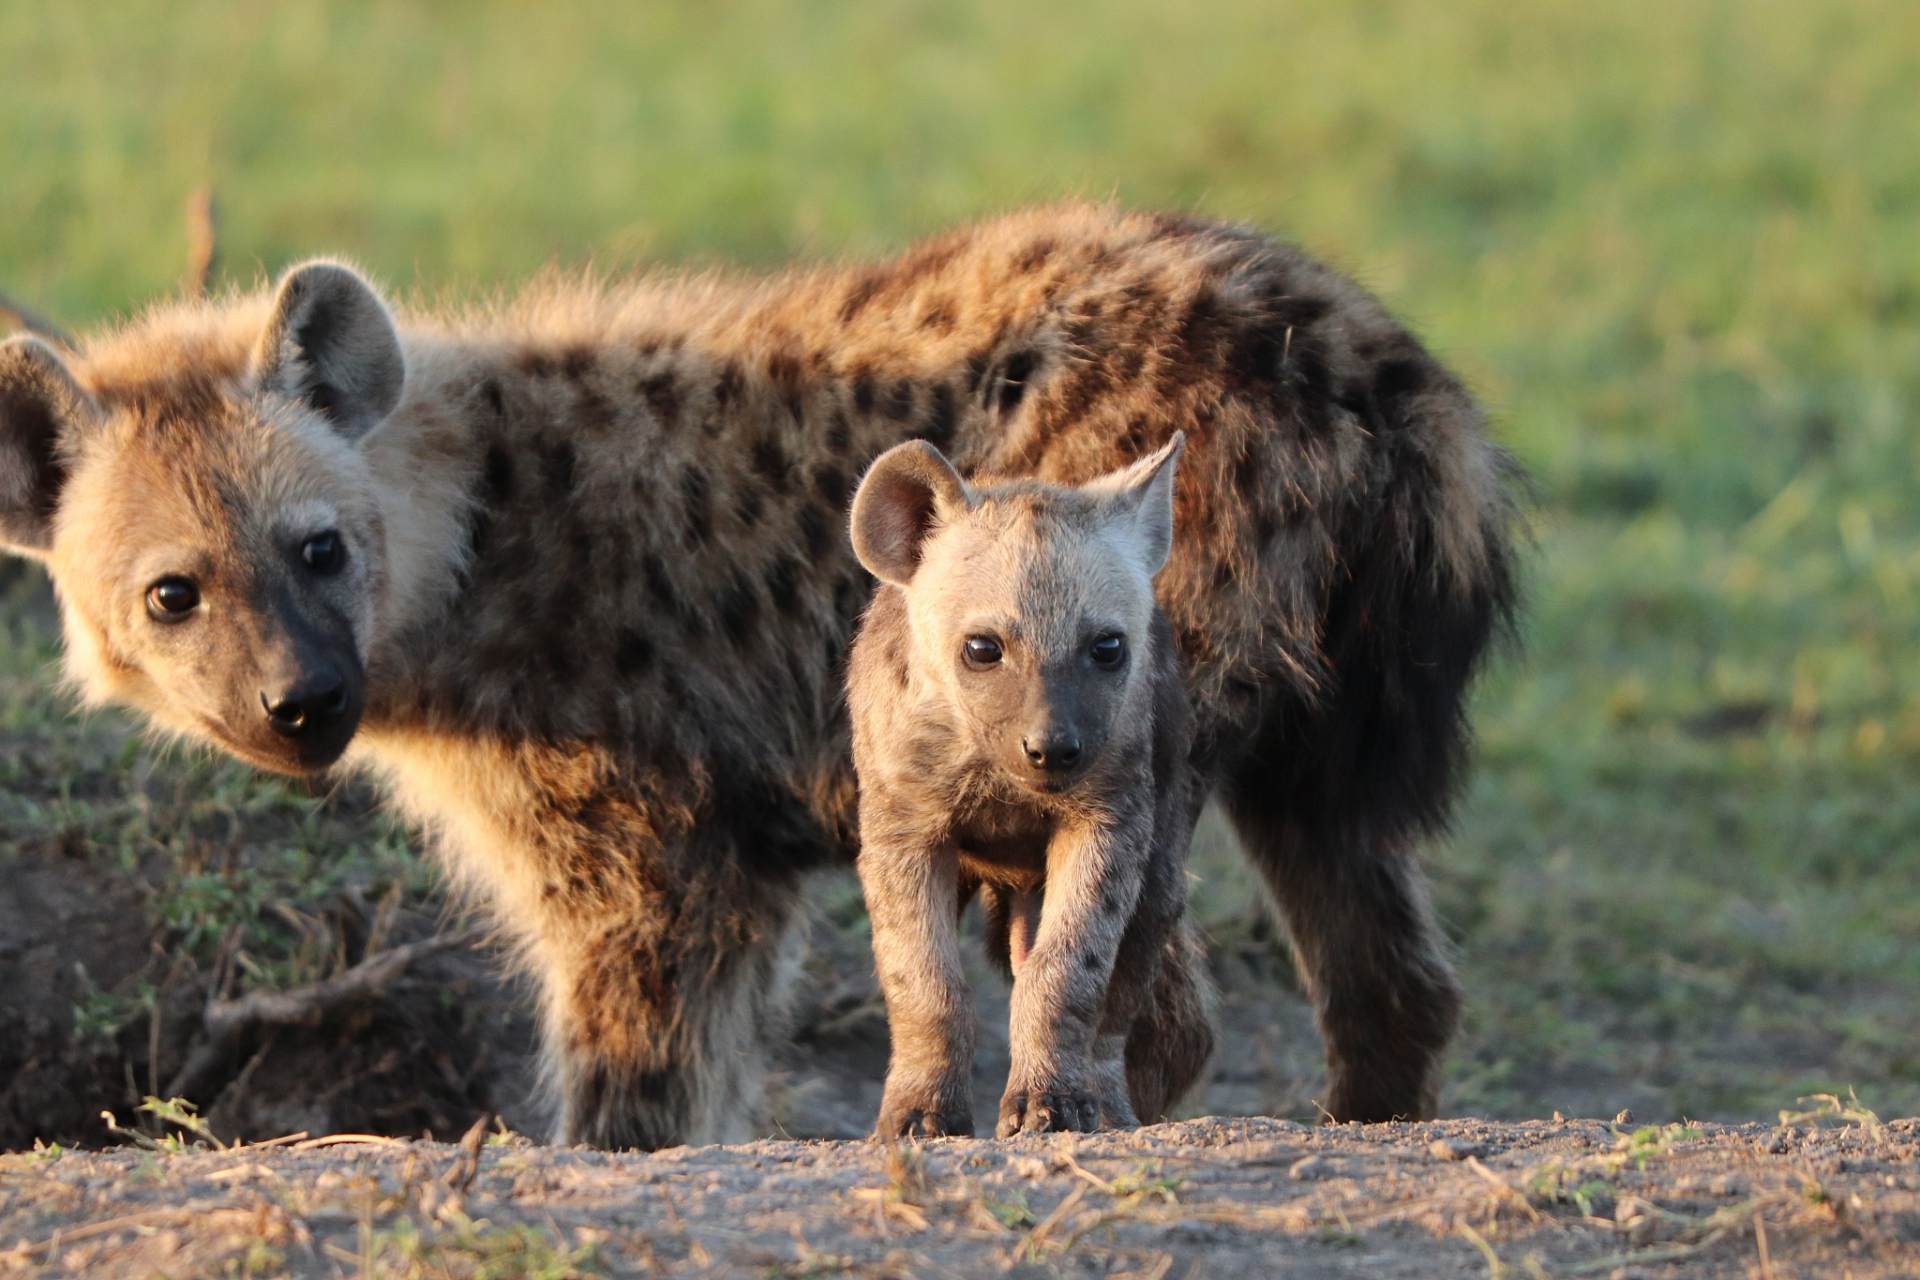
pixel 569 573
pixel 1020 728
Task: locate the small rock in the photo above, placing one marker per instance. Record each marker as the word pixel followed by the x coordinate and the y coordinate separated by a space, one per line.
pixel 1452 1149
pixel 1030 1166
pixel 1311 1167
pixel 1625 1116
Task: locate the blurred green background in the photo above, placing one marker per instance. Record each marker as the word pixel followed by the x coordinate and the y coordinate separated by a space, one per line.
pixel 1675 247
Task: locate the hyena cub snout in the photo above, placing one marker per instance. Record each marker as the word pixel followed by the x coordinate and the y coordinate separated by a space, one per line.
pixel 1021 731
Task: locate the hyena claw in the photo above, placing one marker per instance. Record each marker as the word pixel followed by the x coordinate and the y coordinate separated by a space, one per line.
pixel 1051 1111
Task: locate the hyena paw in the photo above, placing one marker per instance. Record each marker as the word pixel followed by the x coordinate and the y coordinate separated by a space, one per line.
pixel 899 1121
pixel 1049 1111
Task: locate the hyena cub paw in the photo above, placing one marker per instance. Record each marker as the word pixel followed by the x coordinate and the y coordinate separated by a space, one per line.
pixel 901 1120
pixel 1049 1111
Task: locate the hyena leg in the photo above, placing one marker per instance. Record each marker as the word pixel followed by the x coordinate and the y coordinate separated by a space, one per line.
pixel 1371 954
pixel 1094 874
pixel 913 894
pixel 1169 1044
pixel 656 1006
pixel 1137 968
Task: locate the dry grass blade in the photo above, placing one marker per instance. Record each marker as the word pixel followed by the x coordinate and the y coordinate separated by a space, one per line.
pixel 203 243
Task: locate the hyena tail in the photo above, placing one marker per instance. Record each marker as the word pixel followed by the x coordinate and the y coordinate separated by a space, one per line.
pixel 1171 1042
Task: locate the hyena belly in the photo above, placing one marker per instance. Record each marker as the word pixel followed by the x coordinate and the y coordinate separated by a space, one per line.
pixel 587 598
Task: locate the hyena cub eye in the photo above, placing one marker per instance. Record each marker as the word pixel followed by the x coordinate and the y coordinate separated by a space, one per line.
pixel 1109 651
pixel 324 553
pixel 172 599
pixel 981 651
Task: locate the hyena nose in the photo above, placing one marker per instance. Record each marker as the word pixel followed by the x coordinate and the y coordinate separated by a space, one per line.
pixel 306 709
pixel 1053 752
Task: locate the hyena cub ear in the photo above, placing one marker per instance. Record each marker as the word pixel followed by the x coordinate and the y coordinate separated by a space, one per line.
pixel 331 343
pixel 42 408
pixel 1141 501
pixel 907 491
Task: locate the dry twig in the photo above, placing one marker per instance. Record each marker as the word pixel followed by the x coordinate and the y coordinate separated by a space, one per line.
pixel 229 1022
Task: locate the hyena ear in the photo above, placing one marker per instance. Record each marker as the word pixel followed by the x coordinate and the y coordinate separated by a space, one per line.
pixel 905 491
pixel 332 344
pixel 41 408
pixel 1140 499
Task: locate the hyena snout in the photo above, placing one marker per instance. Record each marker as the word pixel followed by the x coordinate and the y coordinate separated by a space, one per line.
pixel 310 707
pixel 1052 749
pixel 307 709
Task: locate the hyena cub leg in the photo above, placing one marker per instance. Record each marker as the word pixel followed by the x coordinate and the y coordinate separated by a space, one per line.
pixel 912 892
pixel 1019 722
pixel 1068 989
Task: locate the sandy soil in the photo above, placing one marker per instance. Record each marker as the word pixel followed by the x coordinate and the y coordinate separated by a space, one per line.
pixel 1218 1198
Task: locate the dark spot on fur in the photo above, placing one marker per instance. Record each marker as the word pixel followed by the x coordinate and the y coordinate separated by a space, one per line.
pixel 660 585
pixel 1300 311
pixel 537 364
pixel 558 463
pixel 577 362
pixel 941 420
pixel 899 405
pixel 770 462
pixel 662 395
pixel 748 504
pixel 738 608
pixel 633 655
pixel 728 388
pixel 813 530
pixel 1013 379
pixel 696 494
pixel 496 477
pixel 977 365
pixel 783 584
pixel 860 295
pixel 863 394
pixel 831 486
pixel 1395 381
pixel 939 318
pixel 490 392
pixel 839 432
pixel 1034 256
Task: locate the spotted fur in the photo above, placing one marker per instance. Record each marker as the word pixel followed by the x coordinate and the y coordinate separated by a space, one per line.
pixel 605 594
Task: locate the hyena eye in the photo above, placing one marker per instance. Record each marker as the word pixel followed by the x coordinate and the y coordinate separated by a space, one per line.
pixel 981 651
pixel 324 552
pixel 172 599
pixel 1109 651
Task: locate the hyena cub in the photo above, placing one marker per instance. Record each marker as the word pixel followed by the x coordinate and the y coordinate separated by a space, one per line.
pixel 1020 730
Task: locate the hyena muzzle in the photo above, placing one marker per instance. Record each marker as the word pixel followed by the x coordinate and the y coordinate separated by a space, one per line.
pixel 1020 731
pixel 569 573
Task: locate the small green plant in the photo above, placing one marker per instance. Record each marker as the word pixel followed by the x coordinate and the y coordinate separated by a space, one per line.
pixel 471 1249
pixel 1010 1211
pixel 98 1015
pixel 1554 1181
pixel 1827 1106
pixel 174 1111
pixel 1146 1182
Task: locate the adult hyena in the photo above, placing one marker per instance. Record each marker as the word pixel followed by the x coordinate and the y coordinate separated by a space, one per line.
pixel 570 574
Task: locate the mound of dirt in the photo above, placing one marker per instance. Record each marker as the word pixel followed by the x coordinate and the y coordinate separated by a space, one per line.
pixel 1219 1198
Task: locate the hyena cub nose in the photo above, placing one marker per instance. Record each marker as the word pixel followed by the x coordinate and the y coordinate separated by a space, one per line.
pixel 311 707
pixel 1021 732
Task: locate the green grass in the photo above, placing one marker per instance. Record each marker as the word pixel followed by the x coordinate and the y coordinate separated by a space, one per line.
pixel 1675 246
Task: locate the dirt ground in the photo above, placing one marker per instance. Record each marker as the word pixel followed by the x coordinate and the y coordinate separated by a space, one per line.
pixel 1212 1197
